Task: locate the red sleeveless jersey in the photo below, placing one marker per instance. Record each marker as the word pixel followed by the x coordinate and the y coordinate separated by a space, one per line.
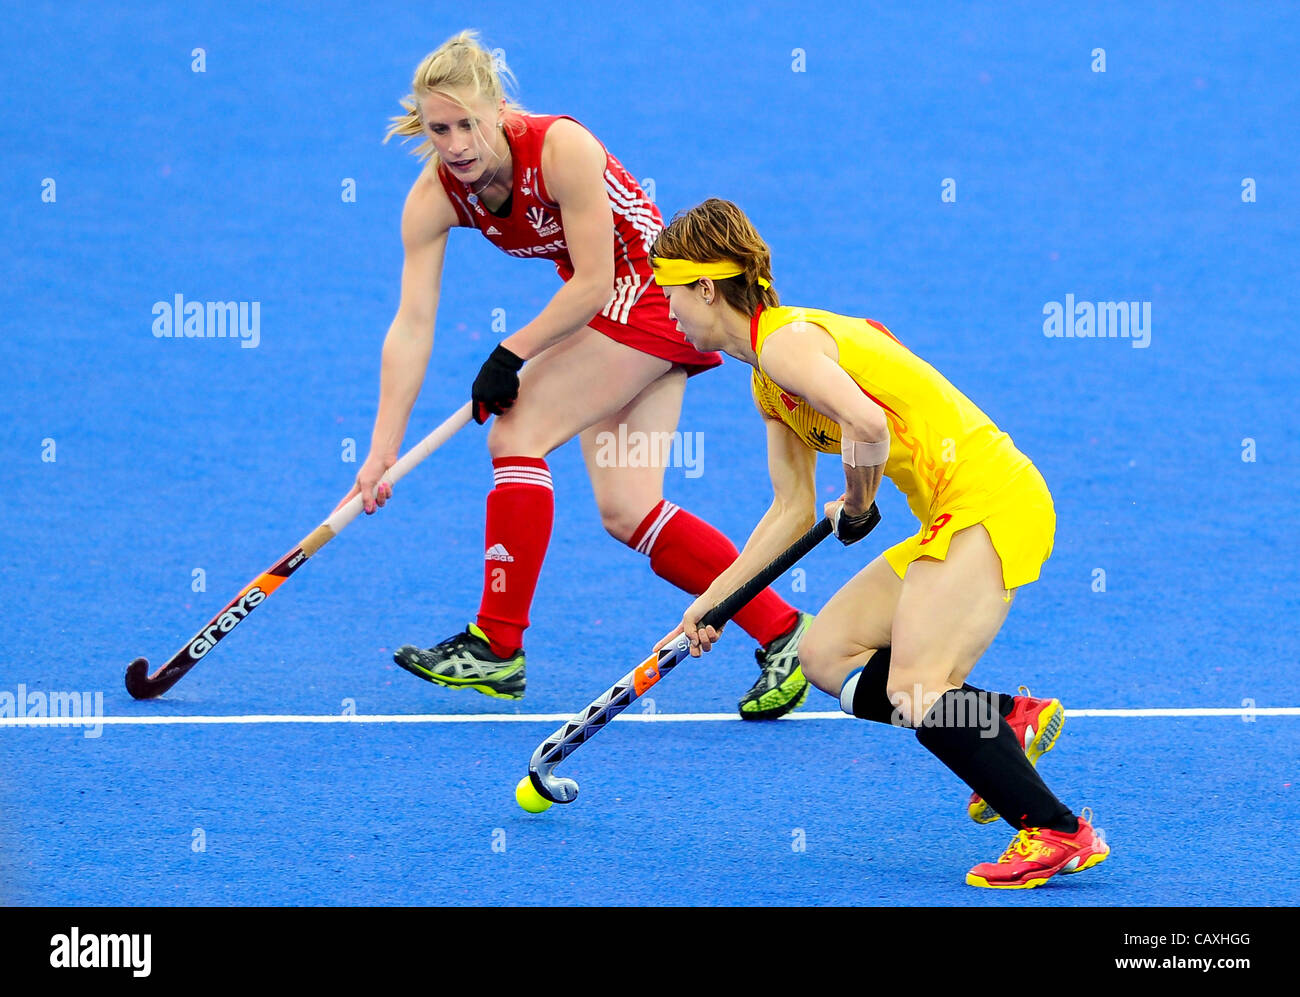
pixel 637 311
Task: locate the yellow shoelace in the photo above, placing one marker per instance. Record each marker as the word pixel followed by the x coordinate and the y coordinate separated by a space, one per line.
pixel 1026 845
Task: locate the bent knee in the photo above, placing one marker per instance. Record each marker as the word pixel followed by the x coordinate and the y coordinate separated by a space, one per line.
pixel 621 517
pixel 619 526
pixel 510 437
pixel 824 662
pixel 503 443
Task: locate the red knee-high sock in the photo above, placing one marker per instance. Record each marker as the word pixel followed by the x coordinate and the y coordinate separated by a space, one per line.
pixel 520 511
pixel 690 553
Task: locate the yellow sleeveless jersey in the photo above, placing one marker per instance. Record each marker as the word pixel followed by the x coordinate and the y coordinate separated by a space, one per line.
pixel 943 451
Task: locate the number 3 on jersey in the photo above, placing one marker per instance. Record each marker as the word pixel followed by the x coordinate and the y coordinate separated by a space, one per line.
pixel 939 523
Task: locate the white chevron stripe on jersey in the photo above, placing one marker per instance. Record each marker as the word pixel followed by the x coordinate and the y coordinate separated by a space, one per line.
pixel 623 251
pixel 634 205
pixel 648 230
pixel 636 289
pixel 637 210
pixel 613 181
pixel 627 292
pixel 632 209
pixel 614 297
pixel 625 298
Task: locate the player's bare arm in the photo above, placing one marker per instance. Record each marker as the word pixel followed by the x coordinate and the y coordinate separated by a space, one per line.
pixel 573 163
pixel 426 219
pixel 793 470
pixel 803 359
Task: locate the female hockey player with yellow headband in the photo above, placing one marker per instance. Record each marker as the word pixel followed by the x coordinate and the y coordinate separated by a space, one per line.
pixel 895 644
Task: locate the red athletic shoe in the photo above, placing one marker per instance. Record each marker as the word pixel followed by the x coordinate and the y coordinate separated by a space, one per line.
pixel 1037 854
pixel 1037 724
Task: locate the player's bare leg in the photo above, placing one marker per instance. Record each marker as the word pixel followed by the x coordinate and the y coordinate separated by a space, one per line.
pixel 580 380
pixel 857 620
pixel 947 615
pixel 625 491
pixel 848 654
pixel 574 384
pixel 683 549
pixel 586 382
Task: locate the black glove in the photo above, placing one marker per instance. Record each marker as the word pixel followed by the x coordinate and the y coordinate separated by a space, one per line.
pixel 851 529
pixel 497 385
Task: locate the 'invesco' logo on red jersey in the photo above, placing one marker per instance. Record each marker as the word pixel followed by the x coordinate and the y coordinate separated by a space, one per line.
pixel 547 249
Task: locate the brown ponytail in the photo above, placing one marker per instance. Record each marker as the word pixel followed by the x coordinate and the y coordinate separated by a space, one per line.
pixel 718 230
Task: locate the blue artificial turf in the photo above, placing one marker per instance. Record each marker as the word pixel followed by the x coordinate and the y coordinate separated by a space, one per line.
pixel 177 455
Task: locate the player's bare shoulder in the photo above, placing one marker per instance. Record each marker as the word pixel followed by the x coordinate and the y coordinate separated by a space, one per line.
pixel 427 215
pixel 570 155
pixel 792 343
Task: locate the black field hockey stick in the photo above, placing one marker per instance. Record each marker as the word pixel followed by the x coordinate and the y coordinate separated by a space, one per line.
pixel 142 685
pixel 584 726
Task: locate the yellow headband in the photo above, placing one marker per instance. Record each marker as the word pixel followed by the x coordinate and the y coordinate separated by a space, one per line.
pixel 673 272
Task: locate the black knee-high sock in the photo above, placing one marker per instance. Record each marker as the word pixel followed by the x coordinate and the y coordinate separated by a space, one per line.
pixel 995 767
pixel 871 700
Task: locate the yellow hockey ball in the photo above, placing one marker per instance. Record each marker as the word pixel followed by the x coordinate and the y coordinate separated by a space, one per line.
pixel 527 796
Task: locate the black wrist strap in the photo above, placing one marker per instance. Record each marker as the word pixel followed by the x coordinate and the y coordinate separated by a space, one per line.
pixel 504 357
pixel 872 515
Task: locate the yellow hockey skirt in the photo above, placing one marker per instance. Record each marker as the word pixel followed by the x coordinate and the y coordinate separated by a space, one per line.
pixel 1020 519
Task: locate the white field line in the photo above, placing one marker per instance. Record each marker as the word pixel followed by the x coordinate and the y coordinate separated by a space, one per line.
pixel 559 718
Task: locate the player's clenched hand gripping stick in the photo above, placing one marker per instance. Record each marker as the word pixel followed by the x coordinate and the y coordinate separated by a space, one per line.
pixel 582 727
pixel 142 685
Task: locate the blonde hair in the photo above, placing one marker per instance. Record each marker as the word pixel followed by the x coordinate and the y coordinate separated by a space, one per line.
pixel 718 230
pixel 459 63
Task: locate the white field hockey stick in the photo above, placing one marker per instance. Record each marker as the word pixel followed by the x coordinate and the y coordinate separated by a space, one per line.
pixel 142 685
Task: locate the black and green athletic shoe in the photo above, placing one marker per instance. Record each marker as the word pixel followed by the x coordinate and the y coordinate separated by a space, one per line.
pixel 466 661
pixel 782 686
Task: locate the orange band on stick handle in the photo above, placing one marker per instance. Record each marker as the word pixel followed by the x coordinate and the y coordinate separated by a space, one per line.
pixel 646 674
pixel 582 727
